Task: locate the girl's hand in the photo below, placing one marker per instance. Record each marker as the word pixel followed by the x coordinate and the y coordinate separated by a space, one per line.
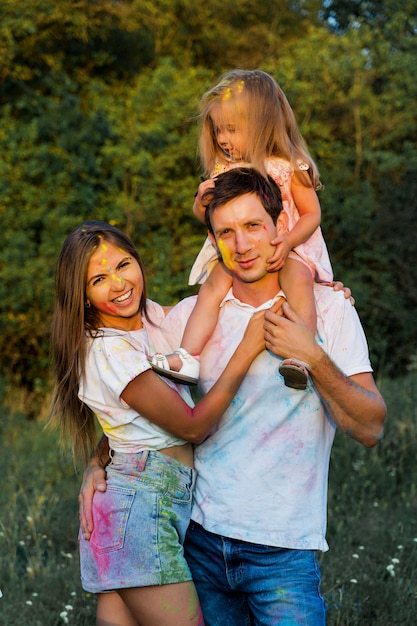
pixel 282 250
pixel 199 208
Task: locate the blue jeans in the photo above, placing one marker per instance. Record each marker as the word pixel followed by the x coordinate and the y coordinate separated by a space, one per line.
pixel 246 584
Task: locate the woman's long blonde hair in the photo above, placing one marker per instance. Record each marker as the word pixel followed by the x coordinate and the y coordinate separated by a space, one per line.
pixel 273 130
pixel 73 321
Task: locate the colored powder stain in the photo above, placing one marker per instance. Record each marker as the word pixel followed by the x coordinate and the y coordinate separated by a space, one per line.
pixel 282 592
pixel 106 307
pixel 224 251
pixel 227 94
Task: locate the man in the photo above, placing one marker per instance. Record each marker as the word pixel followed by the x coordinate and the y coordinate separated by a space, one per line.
pixel 259 513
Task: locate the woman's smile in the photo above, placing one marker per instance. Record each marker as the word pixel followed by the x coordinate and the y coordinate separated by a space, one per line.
pixel 114 287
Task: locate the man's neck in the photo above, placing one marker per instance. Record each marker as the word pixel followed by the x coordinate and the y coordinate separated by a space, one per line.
pixel 256 293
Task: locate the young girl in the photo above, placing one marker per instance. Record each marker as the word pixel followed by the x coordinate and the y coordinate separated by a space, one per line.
pixel 104 328
pixel 246 119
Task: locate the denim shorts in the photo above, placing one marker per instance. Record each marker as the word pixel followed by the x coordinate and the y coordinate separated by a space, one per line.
pixel 140 523
pixel 247 584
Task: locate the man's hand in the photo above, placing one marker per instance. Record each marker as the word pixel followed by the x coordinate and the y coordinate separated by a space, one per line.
pixel 94 479
pixel 354 403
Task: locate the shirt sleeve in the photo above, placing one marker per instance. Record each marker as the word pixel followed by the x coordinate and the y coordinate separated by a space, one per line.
pixel 340 332
pixel 116 361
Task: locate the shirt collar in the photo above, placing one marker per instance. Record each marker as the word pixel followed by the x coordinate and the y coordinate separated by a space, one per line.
pixel 266 305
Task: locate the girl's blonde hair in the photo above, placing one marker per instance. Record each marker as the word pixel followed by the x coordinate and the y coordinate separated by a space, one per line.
pixel 271 124
pixel 73 321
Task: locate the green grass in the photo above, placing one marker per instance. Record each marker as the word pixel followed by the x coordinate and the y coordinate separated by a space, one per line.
pixel 369 573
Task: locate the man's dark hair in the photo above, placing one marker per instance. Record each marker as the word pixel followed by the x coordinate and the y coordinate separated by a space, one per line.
pixel 239 182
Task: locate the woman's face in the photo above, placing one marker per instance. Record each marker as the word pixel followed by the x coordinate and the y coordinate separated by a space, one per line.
pixel 114 287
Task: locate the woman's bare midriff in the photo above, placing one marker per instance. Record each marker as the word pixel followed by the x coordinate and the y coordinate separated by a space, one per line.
pixel 183 454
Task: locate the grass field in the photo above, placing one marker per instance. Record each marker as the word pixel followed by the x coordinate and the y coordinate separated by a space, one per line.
pixel 369 573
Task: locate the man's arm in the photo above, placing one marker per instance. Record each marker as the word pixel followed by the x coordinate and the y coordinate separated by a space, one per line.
pixel 354 403
pixel 94 479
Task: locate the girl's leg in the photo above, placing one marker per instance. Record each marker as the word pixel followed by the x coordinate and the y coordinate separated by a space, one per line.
pixel 297 283
pixel 166 605
pixel 182 364
pixel 112 611
pixel 203 319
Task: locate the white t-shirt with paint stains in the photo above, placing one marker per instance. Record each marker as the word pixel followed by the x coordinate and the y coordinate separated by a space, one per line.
pixel 262 473
pixel 114 358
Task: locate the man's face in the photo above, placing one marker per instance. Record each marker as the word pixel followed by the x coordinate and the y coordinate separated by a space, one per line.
pixel 243 231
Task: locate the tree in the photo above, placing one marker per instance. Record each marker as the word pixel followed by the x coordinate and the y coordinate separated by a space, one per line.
pixel 99 103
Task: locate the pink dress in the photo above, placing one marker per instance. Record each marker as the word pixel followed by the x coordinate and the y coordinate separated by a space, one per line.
pixel 312 252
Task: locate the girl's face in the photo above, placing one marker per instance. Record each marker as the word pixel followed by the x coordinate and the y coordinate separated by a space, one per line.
pixel 230 130
pixel 114 287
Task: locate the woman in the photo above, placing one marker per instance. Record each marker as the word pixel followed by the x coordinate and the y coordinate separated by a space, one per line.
pixel 104 330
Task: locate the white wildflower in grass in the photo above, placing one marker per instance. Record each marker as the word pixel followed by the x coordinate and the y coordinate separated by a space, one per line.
pixel 400 547
pixel 391 569
pixel 73 593
pixel 355 556
pixel 29 602
pixel 361 547
pixel 395 561
pixel 354 581
pixel 415 539
pixel 67 555
pixel 68 607
pixel 376 504
pixel 64 617
pixel 21 543
pixel 35 594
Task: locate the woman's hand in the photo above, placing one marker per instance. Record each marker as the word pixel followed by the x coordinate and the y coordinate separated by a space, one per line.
pixel 339 286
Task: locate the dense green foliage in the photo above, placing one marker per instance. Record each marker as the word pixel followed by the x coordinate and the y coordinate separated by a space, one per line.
pixel 98 104
pixel 369 573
